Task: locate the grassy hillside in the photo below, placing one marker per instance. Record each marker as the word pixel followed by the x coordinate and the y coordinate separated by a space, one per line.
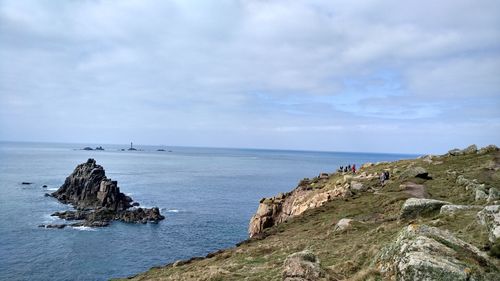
pixel 349 254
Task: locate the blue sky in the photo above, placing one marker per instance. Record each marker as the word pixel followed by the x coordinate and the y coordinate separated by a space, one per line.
pixel 379 76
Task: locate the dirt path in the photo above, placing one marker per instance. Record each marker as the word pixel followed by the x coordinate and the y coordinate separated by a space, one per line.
pixel 416 190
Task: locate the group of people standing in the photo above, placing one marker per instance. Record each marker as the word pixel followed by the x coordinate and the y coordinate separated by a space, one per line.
pixel 347 168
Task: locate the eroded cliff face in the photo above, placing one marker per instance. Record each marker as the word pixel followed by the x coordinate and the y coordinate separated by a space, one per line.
pixel 309 194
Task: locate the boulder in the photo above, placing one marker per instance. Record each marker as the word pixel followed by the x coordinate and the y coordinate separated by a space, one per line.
pixel 455 152
pixel 488 149
pixel 414 207
pixel 489 216
pixel 454 209
pixel 343 224
pixel 422 252
pixel 471 149
pixel 302 266
pixel 415 172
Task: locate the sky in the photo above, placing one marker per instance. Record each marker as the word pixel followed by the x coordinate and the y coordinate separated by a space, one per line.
pixel 366 75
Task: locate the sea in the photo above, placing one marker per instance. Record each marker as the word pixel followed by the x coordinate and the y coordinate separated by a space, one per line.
pixel 207 195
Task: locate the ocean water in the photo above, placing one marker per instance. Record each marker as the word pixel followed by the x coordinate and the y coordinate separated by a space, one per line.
pixel 208 196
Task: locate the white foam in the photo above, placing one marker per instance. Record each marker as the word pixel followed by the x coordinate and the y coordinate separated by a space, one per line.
pixel 172 211
pixel 84 228
pixel 51 188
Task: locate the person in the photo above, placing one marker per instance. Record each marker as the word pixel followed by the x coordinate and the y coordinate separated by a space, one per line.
pixel 349 167
pixel 345 169
pixel 386 175
pixel 382 178
pixel 353 168
pixel 341 169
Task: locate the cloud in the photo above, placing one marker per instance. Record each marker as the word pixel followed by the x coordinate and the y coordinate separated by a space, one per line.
pixel 108 71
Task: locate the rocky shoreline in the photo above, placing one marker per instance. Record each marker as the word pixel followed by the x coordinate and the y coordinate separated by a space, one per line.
pixel 97 200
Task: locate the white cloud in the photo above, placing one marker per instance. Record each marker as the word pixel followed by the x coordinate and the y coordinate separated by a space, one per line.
pixel 223 65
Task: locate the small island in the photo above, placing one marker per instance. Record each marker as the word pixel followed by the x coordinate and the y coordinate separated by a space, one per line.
pixel 98 200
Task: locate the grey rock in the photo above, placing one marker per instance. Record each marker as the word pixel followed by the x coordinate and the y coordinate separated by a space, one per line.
pixel 415 172
pixel 428 253
pixel 493 194
pixel 343 224
pixel 302 266
pixel 487 149
pixel 454 209
pixel 414 207
pixel 489 216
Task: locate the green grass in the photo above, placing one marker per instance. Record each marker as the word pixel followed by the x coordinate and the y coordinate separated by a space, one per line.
pixel 347 254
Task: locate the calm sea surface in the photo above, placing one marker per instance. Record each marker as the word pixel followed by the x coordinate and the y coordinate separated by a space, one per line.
pixel 207 195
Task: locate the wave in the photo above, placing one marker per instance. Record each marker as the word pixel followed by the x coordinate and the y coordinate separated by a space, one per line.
pixel 84 228
pixel 51 189
pixel 172 211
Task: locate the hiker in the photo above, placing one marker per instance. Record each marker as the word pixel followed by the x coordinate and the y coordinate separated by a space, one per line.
pixel 349 167
pixel 353 168
pixel 341 169
pixel 386 175
pixel 382 178
pixel 345 169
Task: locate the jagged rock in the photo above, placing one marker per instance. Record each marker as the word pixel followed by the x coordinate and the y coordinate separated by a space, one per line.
pixel 71 215
pixel 302 266
pixel 414 207
pixel 429 253
pixel 415 172
pixel 342 225
pixel 471 149
pixel 453 209
pixel 58 226
pixel 98 200
pixel 489 216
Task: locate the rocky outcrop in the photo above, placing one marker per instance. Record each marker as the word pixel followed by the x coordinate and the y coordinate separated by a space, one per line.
pixel 429 253
pixel 305 196
pixel 98 200
pixel 302 266
pixel 481 191
pixel 490 217
pixel 414 207
pixel 88 187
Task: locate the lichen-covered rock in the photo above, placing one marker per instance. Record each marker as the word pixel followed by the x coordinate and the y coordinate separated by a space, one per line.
pixel 488 149
pixel 471 149
pixel 493 194
pixel 415 172
pixel 414 207
pixel 302 266
pixel 454 209
pixel 489 216
pixel 429 253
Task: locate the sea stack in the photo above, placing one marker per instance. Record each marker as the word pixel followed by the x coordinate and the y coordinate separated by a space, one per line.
pixel 98 200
